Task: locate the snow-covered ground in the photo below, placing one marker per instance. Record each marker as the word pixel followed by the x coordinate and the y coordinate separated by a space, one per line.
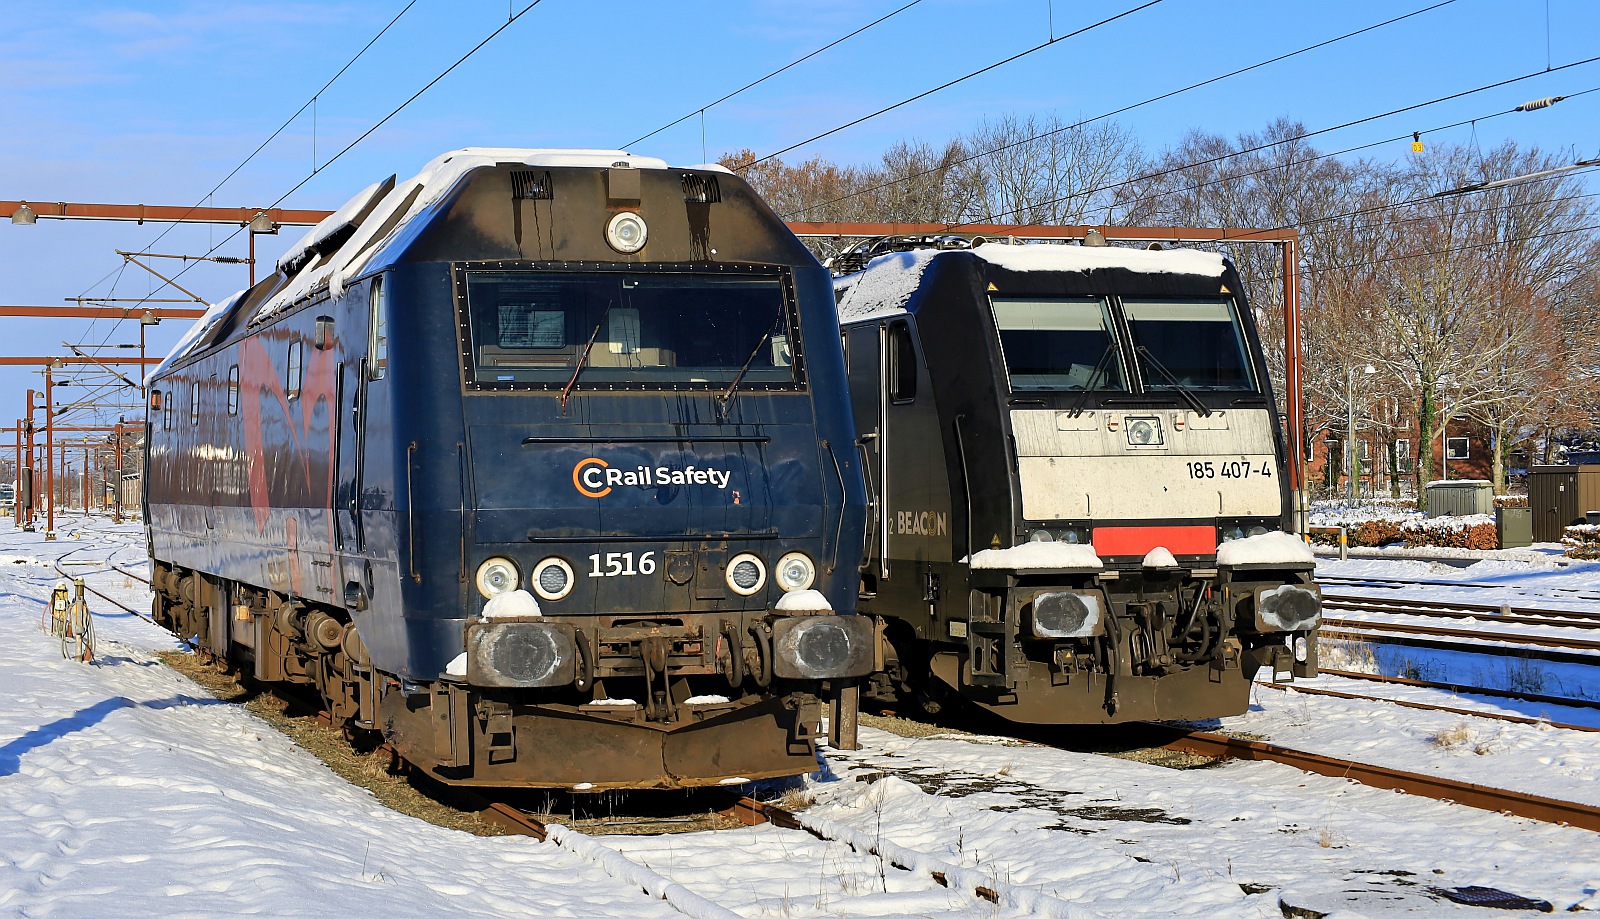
pixel 126 790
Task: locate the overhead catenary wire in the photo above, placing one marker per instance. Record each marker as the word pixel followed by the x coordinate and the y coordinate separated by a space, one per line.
pixel 754 83
pixel 1339 127
pixel 367 133
pixel 1113 112
pixel 248 159
pixel 943 86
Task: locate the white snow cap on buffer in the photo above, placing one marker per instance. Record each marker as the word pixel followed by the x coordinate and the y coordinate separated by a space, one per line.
pixel 512 605
pixel 1266 549
pixel 1037 555
pixel 1160 557
pixel 804 599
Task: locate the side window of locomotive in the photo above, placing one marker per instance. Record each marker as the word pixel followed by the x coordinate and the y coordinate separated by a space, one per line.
pixel 1059 344
pixel 166 409
pixel 194 403
pixel 292 371
pixel 902 364
pixel 233 390
pixel 604 329
pixel 378 345
pixel 1192 343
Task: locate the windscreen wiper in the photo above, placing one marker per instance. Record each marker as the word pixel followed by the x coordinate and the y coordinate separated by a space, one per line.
pixel 584 357
pixel 727 394
pixel 1094 377
pixel 1184 391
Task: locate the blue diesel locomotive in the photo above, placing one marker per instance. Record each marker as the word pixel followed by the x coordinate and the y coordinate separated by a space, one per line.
pixel 540 464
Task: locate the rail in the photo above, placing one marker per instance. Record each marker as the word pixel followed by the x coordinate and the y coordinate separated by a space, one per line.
pixel 1483 797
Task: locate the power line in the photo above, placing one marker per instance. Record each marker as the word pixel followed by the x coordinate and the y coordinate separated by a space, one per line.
pixel 1306 272
pixel 1349 124
pixel 1119 111
pixel 922 95
pixel 368 132
pixel 290 120
pixel 702 109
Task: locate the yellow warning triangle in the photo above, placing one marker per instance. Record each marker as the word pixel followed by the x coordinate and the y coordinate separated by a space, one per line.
pixel 992 287
pixel 1226 290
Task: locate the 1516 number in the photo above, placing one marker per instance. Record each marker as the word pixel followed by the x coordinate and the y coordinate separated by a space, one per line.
pixel 621 564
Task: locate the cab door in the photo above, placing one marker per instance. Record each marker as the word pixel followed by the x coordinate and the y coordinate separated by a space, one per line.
pixel 364 358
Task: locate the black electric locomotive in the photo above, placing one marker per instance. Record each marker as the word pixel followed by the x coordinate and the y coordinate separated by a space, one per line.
pixel 1079 479
pixel 539 464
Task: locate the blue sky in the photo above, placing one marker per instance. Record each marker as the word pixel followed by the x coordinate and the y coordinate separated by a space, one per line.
pixel 155 103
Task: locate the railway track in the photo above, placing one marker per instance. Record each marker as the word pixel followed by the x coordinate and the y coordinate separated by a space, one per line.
pixel 1483 797
pixel 1578 619
pixel 1424 706
pixel 1398 584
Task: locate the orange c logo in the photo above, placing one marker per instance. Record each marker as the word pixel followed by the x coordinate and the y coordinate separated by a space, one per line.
pixel 588 478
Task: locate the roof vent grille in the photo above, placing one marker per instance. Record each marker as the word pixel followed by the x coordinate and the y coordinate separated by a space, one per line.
pixel 699 189
pixel 527 185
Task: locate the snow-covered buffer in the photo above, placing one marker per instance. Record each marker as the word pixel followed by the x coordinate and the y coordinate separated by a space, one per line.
pixel 1037 555
pixel 1266 549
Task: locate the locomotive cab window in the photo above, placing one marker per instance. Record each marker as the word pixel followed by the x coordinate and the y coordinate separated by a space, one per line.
pixel 605 329
pixel 233 390
pixel 1058 344
pixel 1190 344
pixel 902 364
pixel 378 346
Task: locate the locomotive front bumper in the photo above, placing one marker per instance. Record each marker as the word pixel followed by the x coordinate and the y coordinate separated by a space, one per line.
pixel 537 652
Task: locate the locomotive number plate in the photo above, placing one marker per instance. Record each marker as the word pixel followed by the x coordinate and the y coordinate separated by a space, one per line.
pixel 1228 469
pixel 621 564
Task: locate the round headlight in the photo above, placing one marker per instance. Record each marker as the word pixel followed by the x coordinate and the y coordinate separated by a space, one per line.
pixel 1144 432
pixel 626 232
pixel 1072 535
pixel 497 576
pixel 1041 536
pixel 746 574
pixel 1258 531
pixel 795 571
pixel 552 578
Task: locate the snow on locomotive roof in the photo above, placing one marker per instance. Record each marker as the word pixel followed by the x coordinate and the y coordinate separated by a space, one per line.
pixel 414 196
pixel 885 286
pixel 1054 257
pixel 197 331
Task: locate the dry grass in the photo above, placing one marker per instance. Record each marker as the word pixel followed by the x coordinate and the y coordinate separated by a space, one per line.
pixel 1352 654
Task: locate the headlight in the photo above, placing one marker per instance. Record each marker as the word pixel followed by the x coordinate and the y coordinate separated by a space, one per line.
pixel 822 647
pixel 1231 533
pixel 746 574
pixel 1257 531
pixel 626 232
pixel 1075 535
pixel 1144 432
pixel 1041 536
pixel 795 571
pixel 497 576
pixel 552 578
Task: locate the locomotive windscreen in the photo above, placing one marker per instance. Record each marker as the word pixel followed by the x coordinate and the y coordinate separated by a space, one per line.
pixel 677 330
pixel 1194 344
pixel 1058 344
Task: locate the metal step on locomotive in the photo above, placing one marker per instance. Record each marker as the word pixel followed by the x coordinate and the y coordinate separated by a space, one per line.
pixel 538 463
pixel 1081 507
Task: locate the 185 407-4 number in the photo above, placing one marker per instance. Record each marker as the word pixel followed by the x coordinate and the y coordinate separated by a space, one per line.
pixel 1228 469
